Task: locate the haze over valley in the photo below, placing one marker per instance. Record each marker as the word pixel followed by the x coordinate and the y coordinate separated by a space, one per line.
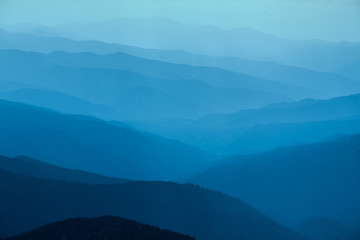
pixel 206 120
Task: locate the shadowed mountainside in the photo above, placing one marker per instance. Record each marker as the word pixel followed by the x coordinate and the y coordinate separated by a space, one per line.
pixel 105 228
pixel 90 144
pixel 28 202
pixel 327 229
pixel 295 183
pixel 35 168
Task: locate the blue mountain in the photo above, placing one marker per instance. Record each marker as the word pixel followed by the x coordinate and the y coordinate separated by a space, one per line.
pixel 86 143
pixel 314 81
pixel 327 229
pixel 106 227
pixel 61 102
pixel 161 33
pixel 39 169
pixel 295 183
pixel 31 202
pixel 142 88
pixel 256 130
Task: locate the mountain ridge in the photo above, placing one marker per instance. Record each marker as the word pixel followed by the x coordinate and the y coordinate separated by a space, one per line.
pixel 177 207
pixel 91 144
pixel 295 183
pixel 35 168
pixel 106 227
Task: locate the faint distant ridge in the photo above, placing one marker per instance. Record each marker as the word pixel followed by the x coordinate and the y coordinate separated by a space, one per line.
pixel 58 101
pixel 167 34
pixel 141 88
pixel 105 228
pixel 163 33
pixel 306 110
pixel 255 130
pixel 308 82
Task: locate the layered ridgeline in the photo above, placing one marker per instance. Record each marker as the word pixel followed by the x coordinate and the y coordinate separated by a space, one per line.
pixel 55 100
pixel 156 90
pixel 351 71
pixel 132 95
pixel 106 227
pixel 140 88
pixel 256 130
pixel 90 144
pixel 28 202
pixel 294 184
pixel 161 33
pixel 313 81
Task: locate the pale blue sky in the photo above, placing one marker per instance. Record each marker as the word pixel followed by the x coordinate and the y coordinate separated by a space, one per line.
pixel 333 20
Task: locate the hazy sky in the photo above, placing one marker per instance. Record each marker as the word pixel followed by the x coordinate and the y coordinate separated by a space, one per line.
pixel 332 20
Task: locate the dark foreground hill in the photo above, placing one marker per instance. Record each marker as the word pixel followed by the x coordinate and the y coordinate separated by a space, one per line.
pixel 296 183
pixel 26 203
pixel 102 228
pixel 35 168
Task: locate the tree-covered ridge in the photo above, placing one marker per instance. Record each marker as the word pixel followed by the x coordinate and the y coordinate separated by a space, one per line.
pixel 101 228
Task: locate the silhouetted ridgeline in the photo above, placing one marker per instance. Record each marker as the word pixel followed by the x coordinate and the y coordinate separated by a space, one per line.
pixel 28 202
pixel 102 228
